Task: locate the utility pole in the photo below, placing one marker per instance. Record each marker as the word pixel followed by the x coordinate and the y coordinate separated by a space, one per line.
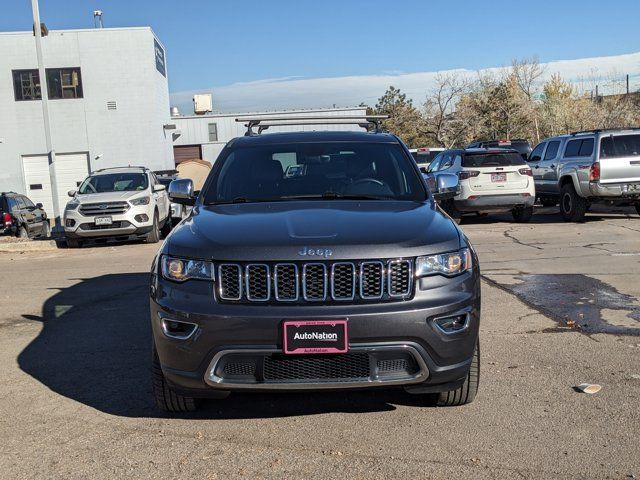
pixel 44 94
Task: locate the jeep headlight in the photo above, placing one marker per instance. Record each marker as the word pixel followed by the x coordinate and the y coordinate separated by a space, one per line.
pixel 181 270
pixel 72 205
pixel 140 201
pixel 447 264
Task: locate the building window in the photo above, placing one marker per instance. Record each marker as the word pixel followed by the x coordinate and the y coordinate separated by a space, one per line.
pixel 64 83
pixel 213 132
pixel 26 85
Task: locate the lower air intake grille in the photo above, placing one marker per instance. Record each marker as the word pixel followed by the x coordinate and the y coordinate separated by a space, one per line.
pixel 344 368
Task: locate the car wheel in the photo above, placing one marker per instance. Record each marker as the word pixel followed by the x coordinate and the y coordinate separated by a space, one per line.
pixel 22 232
pixel 154 235
pixel 572 206
pixel 167 399
pixel 166 228
pixel 638 208
pixel 467 391
pixel 548 201
pixel 522 214
pixel 450 209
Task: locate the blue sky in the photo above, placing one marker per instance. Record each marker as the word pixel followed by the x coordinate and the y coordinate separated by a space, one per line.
pixel 217 42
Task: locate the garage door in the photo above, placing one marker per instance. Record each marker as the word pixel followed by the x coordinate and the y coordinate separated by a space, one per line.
pixel 71 170
pixel 187 152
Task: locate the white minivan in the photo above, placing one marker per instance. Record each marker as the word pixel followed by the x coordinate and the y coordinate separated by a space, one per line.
pixel 492 180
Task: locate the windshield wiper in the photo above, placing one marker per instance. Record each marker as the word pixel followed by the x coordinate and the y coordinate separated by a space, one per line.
pixel 334 195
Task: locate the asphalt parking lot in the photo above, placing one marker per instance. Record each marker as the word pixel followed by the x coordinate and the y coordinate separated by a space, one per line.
pixel 560 307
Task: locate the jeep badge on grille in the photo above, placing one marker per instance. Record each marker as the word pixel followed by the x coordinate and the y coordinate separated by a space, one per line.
pixel 315 252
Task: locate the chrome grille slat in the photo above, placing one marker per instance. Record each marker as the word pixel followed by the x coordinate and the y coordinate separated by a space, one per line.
pixel 314 282
pixel 343 281
pixel 230 281
pixel 286 282
pixel 371 280
pixel 257 280
pixel 399 278
pixel 110 208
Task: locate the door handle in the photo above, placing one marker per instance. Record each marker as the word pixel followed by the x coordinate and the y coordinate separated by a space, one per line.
pixel 537 166
pixel 552 166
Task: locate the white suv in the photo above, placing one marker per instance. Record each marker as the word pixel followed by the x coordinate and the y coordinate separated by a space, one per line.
pixel 124 203
pixel 491 180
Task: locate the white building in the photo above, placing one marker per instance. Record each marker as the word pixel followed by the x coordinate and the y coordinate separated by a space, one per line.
pixel 109 106
pixel 204 136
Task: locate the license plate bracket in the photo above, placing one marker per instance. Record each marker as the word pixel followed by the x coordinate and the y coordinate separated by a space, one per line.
pixel 315 337
pixel 498 177
pixel 103 220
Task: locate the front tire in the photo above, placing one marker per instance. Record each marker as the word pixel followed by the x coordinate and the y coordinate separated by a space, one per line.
pixel 522 214
pixel 466 393
pixel 572 206
pixel 638 208
pixel 167 399
pixel 154 235
pixel 22 232
pixel 166 228
pixel 73 243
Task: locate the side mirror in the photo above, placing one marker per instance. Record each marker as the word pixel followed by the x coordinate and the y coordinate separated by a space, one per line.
pixel 447 185
pixel 181 191
pixel 159 188
pixel 39 205
pixel 71 193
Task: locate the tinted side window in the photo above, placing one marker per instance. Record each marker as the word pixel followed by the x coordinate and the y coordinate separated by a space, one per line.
pixel 13 206
pixel 620 146
pixel 447 161
pixel 20 203
pixel 433 166
pixel 573 148
pixel 586 149
pixel 536 155
pixel 552 150
pixel 27 202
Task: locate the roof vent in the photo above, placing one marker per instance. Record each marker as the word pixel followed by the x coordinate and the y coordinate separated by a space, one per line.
pixel 111 105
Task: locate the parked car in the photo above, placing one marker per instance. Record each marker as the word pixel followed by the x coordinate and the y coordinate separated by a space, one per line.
pixel 121 203
pixel 345 275
pixel 519 144
pixel 424 156
pixel 587 167
pixel 178 211
pixel 21 218
pixel 491 180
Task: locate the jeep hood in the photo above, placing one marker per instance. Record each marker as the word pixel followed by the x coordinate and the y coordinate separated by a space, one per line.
pixel 280 230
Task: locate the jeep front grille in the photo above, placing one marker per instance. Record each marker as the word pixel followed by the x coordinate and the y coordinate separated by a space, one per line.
pixel 104 208
pixel 332 282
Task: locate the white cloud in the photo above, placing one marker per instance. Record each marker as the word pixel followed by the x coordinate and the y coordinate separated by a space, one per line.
pixel 298 92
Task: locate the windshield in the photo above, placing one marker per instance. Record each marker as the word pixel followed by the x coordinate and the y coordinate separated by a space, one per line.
pixel 424 157
pixel 315 170
pixel 114 182
pixel 507 159
pixel 616 146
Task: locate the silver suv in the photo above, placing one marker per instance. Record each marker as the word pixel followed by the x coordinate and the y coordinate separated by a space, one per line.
pixel 124 203
pixel 587 167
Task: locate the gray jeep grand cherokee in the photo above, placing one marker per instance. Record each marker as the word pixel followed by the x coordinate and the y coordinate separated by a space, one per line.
pixel 314 260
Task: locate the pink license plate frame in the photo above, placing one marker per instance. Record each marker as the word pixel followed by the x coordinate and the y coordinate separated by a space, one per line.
pixel 304 326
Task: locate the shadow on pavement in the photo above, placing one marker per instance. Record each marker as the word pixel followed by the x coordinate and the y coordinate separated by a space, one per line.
pixel 95 348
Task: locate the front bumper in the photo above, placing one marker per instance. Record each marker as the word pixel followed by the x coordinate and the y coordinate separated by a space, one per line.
pixel 494 202
pixel 126 224
pixel 251 335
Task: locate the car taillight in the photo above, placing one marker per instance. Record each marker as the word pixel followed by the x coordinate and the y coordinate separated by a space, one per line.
pixel 464 174
pixel 594 172
pixel 526 171
pixel 7 219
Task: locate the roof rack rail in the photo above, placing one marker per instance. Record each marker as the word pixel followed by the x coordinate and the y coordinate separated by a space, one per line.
pixel 598 130
pixel 144 169
pixel 263 123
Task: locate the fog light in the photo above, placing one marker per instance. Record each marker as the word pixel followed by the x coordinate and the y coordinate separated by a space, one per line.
pixel 141 218
pixel 452 324
pixel 69 222
pixel 176 329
